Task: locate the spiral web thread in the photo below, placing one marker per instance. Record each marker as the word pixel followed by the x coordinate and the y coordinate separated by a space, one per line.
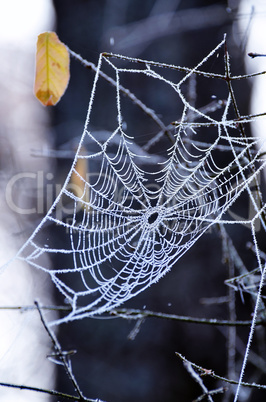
pixel 135 213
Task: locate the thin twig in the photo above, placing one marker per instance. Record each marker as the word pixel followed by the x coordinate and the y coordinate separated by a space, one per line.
pixel 136 314
pixel 212 374
pixel 231 331
pixel 63 357
pixel 220 390
pixel 253 55
pixel 41 390
pixel 196 377
pixel 241 126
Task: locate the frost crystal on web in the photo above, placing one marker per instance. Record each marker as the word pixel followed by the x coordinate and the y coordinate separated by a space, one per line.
pixel 136 212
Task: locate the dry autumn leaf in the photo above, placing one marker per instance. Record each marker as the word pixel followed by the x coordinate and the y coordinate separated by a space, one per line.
pixel 52 69
pixel 79 178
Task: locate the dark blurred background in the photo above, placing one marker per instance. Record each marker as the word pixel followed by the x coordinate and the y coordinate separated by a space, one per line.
pixel 109 364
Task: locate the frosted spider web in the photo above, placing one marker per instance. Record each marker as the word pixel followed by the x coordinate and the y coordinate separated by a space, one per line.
pixel 135 213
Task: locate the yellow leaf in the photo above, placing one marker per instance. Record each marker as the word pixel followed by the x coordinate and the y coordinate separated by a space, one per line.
pixel 80 177
pixel 52 69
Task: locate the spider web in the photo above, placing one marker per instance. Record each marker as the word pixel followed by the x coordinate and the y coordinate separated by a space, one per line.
pixel 134 213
